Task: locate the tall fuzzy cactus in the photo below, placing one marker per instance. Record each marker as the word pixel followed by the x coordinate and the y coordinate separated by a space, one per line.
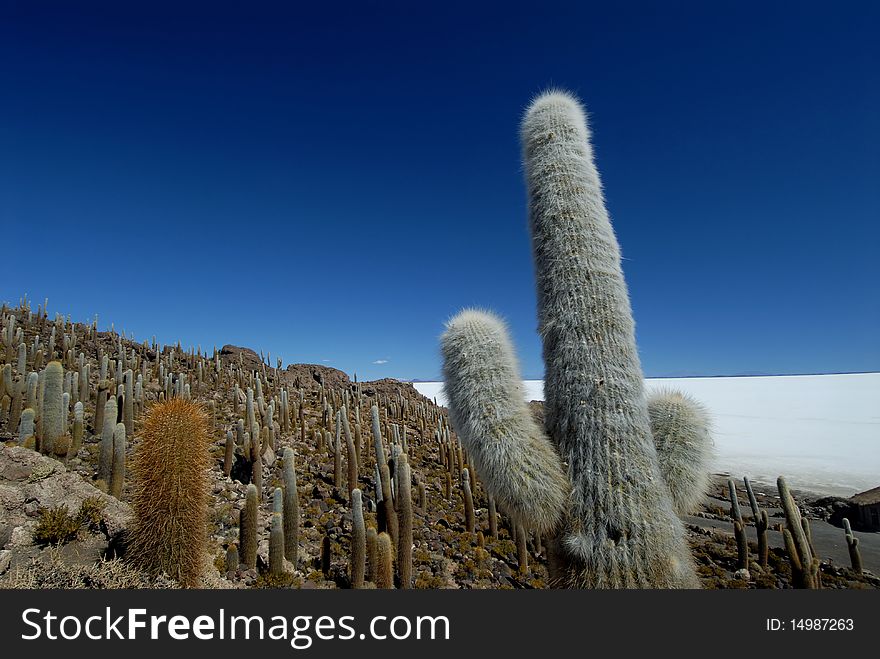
pixel 247 528
pixel 170 492
pixel 680 428
pixel 105 459
pixel 405 519
pixel 358 540
pixel 52 414
pixel 291 506
pixel 619 528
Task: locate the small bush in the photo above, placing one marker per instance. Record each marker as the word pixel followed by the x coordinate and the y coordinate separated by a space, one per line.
pixel 91 513
pixel 56 526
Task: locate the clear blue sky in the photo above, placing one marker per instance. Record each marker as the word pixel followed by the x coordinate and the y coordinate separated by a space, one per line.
pixel 333 184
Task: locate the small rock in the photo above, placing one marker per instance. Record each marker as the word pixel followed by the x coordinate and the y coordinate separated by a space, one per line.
pixel 742 574
pixel 5 559
pixel 21 537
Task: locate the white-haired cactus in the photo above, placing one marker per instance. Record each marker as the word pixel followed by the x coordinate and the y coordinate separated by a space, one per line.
pixel 105 460
pixel 619 529
pixel 276 534
pixel 488 409
pixel 358 540
pixel 680 427
pixel 52 415
pixel 291 506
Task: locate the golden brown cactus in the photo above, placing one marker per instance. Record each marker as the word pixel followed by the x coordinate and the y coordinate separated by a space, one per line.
pixel 170 492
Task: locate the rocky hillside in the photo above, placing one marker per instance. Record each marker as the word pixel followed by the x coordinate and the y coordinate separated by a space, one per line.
pixel 64 514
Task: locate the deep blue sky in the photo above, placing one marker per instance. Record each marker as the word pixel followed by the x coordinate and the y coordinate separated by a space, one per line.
pixel 333 184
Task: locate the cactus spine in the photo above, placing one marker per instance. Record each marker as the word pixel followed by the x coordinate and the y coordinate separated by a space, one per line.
pixel 170 492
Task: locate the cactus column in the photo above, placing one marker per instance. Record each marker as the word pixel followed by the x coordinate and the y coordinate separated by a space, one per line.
pixel 618 528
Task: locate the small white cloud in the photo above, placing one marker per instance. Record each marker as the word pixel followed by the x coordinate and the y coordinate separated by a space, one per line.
pixel 381 361
pixel 326 361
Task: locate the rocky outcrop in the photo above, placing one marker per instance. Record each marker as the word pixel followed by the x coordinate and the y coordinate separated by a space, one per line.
pixel 30 483
pixel 249 358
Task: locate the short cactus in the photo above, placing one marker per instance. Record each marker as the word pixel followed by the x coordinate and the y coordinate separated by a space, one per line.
pixel 384 571
pixel 372 539
pixel 852 544
pixel 680 428
pixel 52 410
pixel 232 558
pixel 247 528
pixel 26 426
pixel 762 523
pixel 804 566
pixel 742 545
pixel 467 496
pixel 276 535
pixel 522 554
